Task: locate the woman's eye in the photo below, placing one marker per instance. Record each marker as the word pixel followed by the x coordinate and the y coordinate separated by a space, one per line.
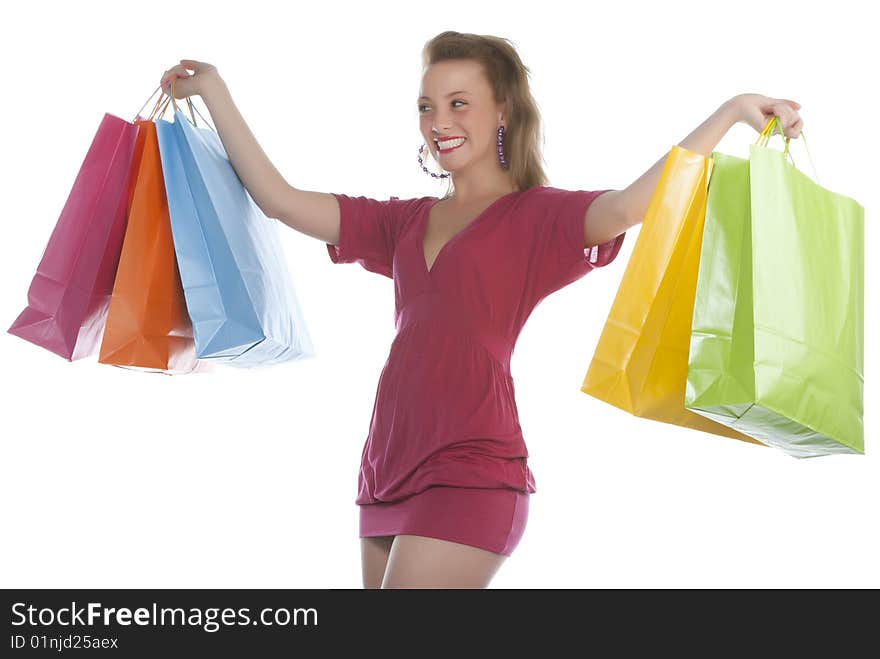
pixel 456 101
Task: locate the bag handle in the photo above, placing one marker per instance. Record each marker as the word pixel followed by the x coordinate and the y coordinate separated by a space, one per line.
pixel 159 108
pixel 170 98
pixel 145 104
pixel 768 132
pixel 160 111
pixel 191 108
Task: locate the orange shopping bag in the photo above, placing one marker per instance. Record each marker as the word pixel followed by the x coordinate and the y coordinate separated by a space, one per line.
pixel 148 326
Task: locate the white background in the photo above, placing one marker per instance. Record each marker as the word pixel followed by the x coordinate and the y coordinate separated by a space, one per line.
pixel 112 478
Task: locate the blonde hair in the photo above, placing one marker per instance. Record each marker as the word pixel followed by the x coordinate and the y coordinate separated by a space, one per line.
pixel 509 79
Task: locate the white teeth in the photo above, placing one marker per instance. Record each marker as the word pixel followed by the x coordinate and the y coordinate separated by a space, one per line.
pixel 451 143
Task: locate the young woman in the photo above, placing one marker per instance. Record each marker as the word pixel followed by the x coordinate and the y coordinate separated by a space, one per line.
pixel 444 483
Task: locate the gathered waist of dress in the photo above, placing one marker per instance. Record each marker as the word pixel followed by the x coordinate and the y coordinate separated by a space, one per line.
pixel 426 308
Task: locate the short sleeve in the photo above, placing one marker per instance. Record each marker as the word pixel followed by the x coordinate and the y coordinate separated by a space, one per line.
pixel 560 256
pixel 368 231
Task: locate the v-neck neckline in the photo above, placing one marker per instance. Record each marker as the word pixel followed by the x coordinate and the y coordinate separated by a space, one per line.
pixel 420 242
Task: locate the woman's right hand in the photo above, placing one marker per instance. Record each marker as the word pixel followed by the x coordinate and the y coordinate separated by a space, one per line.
pixel 186 84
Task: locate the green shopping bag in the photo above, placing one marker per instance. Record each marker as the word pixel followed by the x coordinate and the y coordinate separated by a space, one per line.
pixel 777 334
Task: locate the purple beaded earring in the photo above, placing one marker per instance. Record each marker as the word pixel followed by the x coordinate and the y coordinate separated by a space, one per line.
pixel 501 159
pixel 422 164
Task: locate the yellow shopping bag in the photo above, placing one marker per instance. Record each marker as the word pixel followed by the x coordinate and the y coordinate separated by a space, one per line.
pixel 641 361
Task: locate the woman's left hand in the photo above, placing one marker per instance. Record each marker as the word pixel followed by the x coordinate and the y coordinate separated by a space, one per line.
pixel 756 110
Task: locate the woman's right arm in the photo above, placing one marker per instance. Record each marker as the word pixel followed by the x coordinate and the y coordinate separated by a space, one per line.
pixel 315 214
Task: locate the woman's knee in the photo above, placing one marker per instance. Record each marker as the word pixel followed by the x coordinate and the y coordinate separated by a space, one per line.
pixel 422 562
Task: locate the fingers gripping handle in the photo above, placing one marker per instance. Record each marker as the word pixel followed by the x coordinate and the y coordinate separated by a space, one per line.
pixel 767 133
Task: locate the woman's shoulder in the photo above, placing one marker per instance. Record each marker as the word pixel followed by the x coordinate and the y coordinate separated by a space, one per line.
pixel 402 210
pixel 536 198
pixel 411 203
pixel 545 192
pixel 552 199
pixel 541 195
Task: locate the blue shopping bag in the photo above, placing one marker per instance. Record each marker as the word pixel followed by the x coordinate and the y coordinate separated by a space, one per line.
pixel 238 290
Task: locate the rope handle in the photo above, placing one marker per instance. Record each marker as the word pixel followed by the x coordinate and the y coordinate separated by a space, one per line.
pixel 768 131
pixel 159 108
pixel 191 108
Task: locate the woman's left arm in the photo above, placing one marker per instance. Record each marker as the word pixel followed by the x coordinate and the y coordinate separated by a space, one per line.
pixel 622 209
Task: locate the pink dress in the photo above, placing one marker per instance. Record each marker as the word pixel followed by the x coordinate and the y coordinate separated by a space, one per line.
pixel 445 455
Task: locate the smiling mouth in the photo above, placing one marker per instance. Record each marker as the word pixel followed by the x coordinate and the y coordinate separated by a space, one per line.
pixel 451 148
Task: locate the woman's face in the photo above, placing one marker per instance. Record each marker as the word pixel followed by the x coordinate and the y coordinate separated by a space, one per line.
pixel 456 101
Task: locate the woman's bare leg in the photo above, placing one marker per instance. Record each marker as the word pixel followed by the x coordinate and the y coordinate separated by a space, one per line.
pixel 421 562
pixel 374 557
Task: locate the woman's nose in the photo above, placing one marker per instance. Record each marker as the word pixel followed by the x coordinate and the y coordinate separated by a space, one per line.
pixel 439 124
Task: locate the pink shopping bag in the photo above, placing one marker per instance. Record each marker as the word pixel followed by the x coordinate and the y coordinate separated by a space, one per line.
pixel 69 296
